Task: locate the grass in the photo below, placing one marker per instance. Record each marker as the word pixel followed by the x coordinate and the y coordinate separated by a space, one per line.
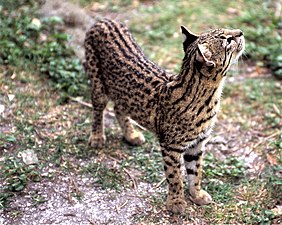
pixel 39 46
pixel 261 29
pixel 35 118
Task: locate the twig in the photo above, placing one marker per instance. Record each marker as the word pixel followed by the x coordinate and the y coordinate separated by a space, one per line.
pixel 69 190
pixel 39 135
pixel 80 102
pixel 276 110
pixel 69 214
pixel 90 106
pixel 91 222
pixel 137 124
pixel 118 208
pixel 72 186
pixel 132 178
pixel 265 139
pixel 75 186
pixel 160 183
pixel 136 196
pixel 113 158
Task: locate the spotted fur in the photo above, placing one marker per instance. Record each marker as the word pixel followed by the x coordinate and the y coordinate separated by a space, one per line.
pixel 180 109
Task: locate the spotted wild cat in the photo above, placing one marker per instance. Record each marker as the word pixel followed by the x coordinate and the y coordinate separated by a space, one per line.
pixel 180 109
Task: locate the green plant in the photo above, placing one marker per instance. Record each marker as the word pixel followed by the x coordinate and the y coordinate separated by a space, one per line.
pixel 7 139
pixel 278 142
pixel 230 168
pixel 105 175
pixel 16 174
pixel 38 45
pixel 261 30
pixel 254 214
pixel 220 191
pixel 4 199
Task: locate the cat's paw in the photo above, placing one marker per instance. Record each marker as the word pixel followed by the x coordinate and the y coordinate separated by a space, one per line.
pixel 177 205
pixel 202 198
pixel 135 138
pixel 96 141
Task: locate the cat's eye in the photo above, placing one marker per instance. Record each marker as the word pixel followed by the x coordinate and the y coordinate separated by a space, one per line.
pixel 229 39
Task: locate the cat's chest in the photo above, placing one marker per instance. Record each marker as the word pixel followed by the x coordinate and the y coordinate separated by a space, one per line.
pixel 197 115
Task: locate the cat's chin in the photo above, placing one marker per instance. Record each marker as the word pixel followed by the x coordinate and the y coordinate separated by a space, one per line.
pixel 240 49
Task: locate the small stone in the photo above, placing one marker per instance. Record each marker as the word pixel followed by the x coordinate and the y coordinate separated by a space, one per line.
pixel 11 97
pixel 36 22
pixel 2 109
pixel 29 157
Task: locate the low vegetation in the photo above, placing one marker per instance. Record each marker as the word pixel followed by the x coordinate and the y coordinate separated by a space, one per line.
pixel 39 71
pixel 38 45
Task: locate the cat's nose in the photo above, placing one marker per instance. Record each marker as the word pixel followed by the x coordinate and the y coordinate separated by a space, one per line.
pixel 234 33
pixel 240 33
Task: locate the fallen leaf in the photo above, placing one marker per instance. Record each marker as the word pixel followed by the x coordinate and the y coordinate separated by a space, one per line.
pixel 272 159
pixel 36 22
pixel 43 37
pixel 277 210
pixel 232 11
pixel 13 76
pixel 11 97
pixel 98 6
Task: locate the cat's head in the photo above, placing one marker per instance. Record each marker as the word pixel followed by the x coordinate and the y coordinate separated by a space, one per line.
pixel 215 50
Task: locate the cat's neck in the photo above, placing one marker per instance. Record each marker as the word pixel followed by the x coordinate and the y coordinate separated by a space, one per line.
pixel 191 83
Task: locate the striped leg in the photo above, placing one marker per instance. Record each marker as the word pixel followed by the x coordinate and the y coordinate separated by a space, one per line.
pixel 175 199
pixel 98 97
pixel 97 137
pixel 193 164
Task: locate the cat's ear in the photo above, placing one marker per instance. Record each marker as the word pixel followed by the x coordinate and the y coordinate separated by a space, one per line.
pixel 187 37
pixel 204 55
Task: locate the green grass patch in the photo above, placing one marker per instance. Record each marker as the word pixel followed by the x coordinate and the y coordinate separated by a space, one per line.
pixel 159 26
pixel 106 176
pixel 249 202
pixel 227 170
pixel 37 45
pixel 142 163
pixel 16 174
pixel 261 30
pixel 254 102
pixel 147 159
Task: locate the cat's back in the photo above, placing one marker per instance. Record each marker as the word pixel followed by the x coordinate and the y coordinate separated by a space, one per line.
pixel 122 64
pixel 131 80
pixel 109 37
pixel 114 45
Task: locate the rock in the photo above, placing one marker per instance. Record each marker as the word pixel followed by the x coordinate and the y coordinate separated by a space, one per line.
pixel 29 157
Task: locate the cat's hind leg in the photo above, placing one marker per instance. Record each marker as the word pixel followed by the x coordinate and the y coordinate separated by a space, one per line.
pixel 98 96
pixel 99 102
pixel 130 134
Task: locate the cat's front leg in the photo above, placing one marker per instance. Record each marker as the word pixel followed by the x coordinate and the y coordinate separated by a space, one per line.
pixel 172 166
pixel 193 164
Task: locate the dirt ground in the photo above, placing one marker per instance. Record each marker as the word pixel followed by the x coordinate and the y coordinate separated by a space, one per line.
pixel 107 206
